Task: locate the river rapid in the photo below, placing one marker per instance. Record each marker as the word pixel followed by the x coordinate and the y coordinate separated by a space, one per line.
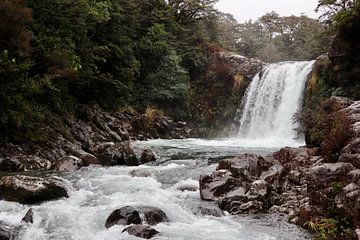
pixel 95 191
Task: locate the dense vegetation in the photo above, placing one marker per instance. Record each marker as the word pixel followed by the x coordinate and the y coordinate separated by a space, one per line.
pixel 56 56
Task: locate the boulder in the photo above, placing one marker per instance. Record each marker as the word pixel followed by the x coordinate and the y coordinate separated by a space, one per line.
pixel 123 216
pixel 69 163
pixel 29 217
pixel 141 231
pixel 300 156
pixel 30 190
pixel 219 184
pixel 87 158
pixel 136 215
pixel 20 162
pixel 323 179
pixel 246 166
pixel 147 156
pixel 125 153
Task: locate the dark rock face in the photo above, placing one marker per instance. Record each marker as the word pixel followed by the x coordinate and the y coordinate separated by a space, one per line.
pixel 136 215
pixel 89 137
pixel 70 163
pixel 30 190
pixel 141 231
pixel 29 217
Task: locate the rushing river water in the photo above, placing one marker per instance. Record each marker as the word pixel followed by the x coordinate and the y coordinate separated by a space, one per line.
pixel 96 191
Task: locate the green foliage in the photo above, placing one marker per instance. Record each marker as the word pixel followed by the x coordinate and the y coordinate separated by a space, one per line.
pixel 273 38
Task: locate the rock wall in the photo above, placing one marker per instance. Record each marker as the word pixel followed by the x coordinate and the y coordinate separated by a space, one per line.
pixel 219 92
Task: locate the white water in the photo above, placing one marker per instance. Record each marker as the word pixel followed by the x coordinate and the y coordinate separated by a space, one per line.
pixel 272 99
pixel 96 191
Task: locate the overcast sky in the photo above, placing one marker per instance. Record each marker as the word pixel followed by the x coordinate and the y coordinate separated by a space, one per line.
pixel 252 9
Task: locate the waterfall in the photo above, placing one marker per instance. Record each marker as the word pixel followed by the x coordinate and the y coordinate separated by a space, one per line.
pixel 272 99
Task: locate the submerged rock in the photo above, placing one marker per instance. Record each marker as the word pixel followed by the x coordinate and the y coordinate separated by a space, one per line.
pixel 141 231
pixel 136 215
pixel 30 190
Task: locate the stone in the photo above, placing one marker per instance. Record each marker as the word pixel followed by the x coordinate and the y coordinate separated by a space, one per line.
pixel 87 158
pixel 219 184
pixel 119 154
pixel 141 231
pixel 21 162
pixel 123 216
pixel 30 190
pixel 70 163
pixel 152 215
pixel 246 166
pixel 207 211
pixel 147 156
pixel 136 215
pixel 29 217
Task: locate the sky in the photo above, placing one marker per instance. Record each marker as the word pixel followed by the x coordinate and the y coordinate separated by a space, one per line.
pixel 244 10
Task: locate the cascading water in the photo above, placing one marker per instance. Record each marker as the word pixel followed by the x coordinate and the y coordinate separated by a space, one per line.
pixel 271 101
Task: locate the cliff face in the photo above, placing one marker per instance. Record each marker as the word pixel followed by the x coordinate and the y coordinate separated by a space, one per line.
pixel 218 93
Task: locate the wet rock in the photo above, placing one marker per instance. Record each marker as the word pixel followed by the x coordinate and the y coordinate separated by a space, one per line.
pixel 300 156
pixel 136 215
pixel 119 154
pixel 152 215
pixel 123 216
pixel 87 158
pixel 219 184
pixel 207 211
pixel 29 190
pixel 29 217
pixel 140 173
pixel 147 156
pixel 20 162
pixel 246 166
pixel 141 231
pixel 70 163
pixel 240 204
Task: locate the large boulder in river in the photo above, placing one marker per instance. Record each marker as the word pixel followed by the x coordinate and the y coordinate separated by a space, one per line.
pixel 29 190
pixel 124 154
pixel 136 215
pixel 141 231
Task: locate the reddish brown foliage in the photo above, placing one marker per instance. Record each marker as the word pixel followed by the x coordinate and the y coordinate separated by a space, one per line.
pixel 14 20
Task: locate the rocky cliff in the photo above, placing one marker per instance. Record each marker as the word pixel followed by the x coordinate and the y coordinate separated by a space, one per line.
pixel 219 92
